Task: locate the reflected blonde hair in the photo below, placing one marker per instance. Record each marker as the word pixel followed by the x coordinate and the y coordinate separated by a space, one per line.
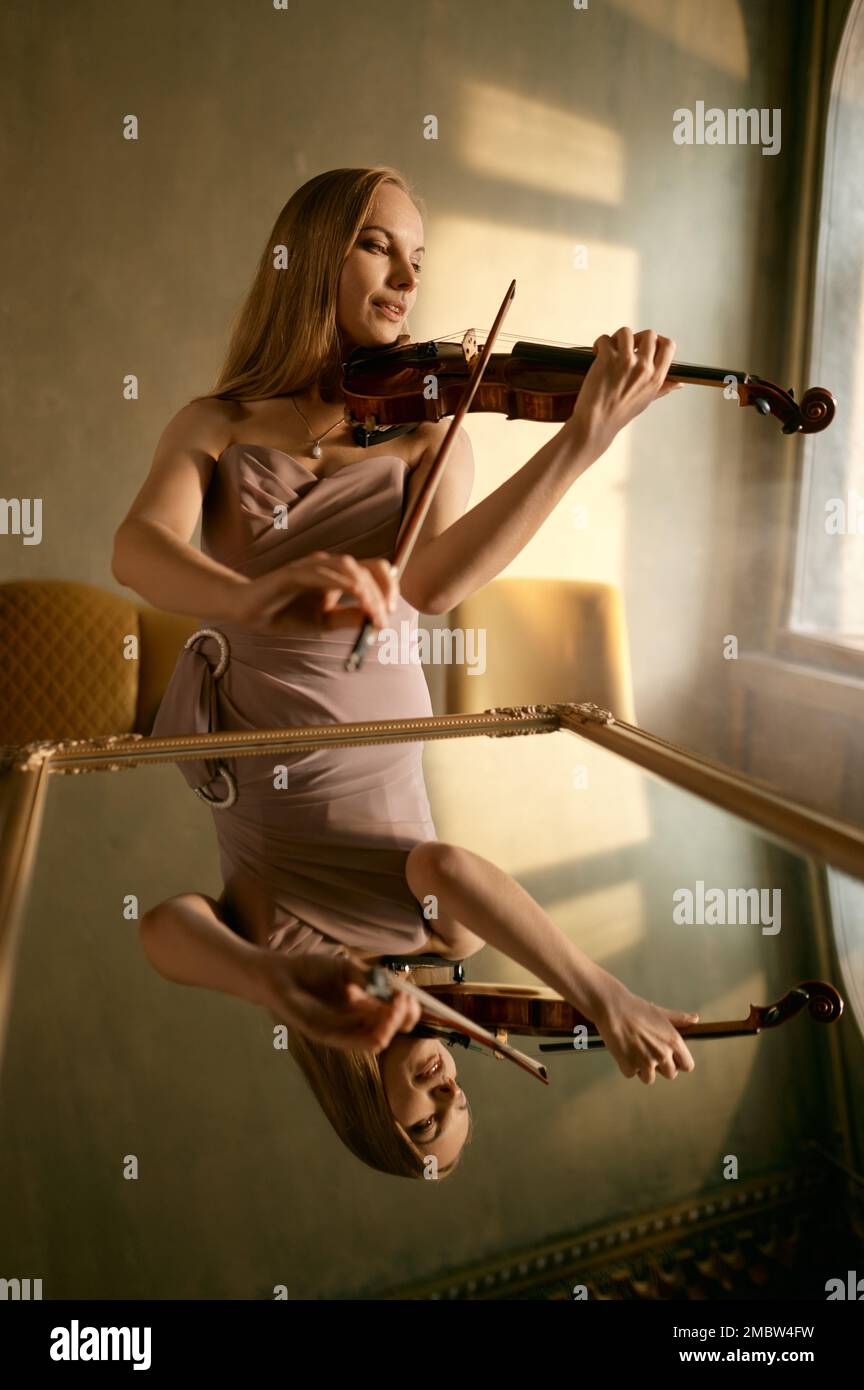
pixel 286 336
pixel 350 1090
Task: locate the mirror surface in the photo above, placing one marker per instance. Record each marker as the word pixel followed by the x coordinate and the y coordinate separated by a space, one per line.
pixel 158 1144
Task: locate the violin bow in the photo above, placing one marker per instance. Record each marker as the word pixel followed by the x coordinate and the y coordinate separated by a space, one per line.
pixel 417 515
pixel 381 984
pixel 822 1001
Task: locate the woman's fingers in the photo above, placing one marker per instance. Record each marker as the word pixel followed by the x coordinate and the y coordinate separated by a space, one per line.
pixel 326 999
pixel 656 1047
pixel 374 583
pixel 344 575
pixel 397 1015
pixel 664 351
pixel 623 340
pixel 644 347
pixel 386 575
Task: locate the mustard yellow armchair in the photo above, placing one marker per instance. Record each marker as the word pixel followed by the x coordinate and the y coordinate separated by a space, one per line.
pixel 69 666
pixel 548 641
pixel 65 672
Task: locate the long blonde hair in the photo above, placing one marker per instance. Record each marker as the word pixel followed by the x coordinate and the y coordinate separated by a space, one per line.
pixel 286 336
pixel 349 1088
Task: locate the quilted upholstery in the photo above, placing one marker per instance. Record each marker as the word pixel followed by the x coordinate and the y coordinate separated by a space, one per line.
pixel 63 672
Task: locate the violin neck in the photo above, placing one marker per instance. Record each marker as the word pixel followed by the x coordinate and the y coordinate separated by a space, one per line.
pixel 582 357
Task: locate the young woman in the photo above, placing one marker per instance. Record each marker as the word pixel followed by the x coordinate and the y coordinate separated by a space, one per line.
pixel 327 856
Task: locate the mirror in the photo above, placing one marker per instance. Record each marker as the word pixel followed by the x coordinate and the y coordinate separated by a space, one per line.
pixel 163 1142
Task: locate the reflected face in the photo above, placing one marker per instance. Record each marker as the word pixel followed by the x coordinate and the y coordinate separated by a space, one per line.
pixel 419 1076
pixel 382 269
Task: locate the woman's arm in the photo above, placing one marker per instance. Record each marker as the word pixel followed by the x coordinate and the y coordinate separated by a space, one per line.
pixel 187 940
pixel 488 903
pixel 456 554
pixel 641 1036
pixel 152 554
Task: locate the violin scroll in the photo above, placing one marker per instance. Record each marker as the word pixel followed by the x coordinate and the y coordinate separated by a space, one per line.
pixel 820 999
pixel 813 413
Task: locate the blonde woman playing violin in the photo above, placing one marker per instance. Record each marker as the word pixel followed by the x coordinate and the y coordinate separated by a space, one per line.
pixel 299 526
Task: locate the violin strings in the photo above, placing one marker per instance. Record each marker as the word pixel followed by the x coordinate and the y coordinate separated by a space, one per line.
pixel 513 337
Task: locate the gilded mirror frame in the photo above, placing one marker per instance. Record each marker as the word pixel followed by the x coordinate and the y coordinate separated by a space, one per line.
pixel 25 772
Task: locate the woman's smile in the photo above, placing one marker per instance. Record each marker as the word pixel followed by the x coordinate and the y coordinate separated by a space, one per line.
pixel 389 311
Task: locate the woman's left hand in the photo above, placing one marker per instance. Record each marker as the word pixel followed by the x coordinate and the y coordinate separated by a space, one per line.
pixel 325 998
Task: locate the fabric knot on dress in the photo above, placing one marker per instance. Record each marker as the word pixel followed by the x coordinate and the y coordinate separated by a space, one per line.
pixel 191 706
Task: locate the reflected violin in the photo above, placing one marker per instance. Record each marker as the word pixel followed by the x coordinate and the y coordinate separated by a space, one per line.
pixel 489 1013
pixel 540 1012
pixel 389 391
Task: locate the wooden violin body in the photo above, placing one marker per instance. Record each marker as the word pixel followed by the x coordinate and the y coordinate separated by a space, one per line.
pixel 394 388
pixel 539 1012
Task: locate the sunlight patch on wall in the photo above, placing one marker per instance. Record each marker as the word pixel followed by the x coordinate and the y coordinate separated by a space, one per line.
pixel 714 33
pixel 606 921
pixel 532 143
pixel 519 802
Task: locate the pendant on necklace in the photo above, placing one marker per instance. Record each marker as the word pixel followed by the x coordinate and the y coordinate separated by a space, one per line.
pixel 316 450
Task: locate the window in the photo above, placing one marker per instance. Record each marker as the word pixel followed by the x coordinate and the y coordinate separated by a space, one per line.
pixel 828 596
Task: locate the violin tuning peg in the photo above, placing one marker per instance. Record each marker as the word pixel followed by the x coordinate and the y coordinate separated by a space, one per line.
pixel 762 405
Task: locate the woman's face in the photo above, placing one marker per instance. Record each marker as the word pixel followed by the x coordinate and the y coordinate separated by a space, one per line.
pixel 419 1076
pixel 382 267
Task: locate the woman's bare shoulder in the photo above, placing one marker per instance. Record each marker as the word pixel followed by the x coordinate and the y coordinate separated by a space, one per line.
pixel 205 422
pixel 428 438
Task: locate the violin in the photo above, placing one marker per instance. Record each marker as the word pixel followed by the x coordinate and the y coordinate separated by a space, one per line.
pixel 489 1013
pixel 390 391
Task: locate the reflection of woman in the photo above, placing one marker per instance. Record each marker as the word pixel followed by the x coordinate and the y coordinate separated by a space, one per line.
pixel 327 850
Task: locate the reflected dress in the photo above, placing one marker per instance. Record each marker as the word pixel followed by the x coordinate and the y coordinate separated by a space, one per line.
pixel 315 843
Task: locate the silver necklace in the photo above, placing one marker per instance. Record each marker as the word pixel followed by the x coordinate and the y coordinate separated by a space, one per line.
pixel 316 445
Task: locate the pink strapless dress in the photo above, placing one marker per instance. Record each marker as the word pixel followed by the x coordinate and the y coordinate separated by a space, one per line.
pixel 325 852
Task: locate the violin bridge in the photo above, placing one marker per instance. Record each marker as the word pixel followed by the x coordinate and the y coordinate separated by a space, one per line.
pixel 469 345
pixel 500 1036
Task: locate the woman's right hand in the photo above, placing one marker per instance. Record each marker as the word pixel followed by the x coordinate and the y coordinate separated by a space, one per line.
pixel 628 373
pixel 326 999
pixel 642 1037
pixel 304 594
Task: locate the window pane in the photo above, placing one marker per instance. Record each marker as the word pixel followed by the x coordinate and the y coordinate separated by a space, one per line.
pixel 829 592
